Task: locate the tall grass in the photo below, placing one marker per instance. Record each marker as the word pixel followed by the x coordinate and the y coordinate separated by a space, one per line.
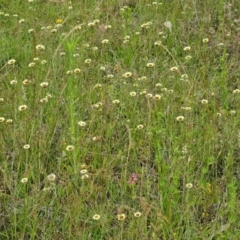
pixel 119 120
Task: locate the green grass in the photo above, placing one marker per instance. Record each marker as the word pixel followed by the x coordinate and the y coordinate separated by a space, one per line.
pixel 132 156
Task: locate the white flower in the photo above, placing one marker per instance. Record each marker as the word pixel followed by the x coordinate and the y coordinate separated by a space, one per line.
pixel 82 123
pixel 180 118
pixel 96 217
pixel 24 180
pixel 26 146
pixel 51 177
pixel 189 185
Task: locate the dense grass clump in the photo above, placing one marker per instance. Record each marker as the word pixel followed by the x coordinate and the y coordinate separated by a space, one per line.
pixel 119 120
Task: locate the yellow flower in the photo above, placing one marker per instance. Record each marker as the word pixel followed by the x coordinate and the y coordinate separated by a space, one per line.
pixel 59 21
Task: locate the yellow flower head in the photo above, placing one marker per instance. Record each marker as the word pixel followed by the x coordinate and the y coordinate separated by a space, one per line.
pixel 59 21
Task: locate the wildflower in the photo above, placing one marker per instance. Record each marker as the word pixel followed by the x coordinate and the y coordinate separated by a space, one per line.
pixel 91 24
pixel 102 68
pixel 158 84
pixel 144 92
pixel 180 118
pixel 48 96
pixel 88 60
pixel 9 121
pixel 54 30
pixel 140 126
pixel 96 138
pixel 157 97
pixel 40 47
pixel 158 43
pixel 105 41
pixel 133 179
pixel 26 146
pixel 204 101
pixel 59 21
pixel 143 78
pixel 96 217
pixel 31 30
pixel 70 148
pixel 189 185
pixel 110 76
pixel 2 119
pixel 150 65
pixel 185 76
pixel 149 95
pixel 174 69
pixel 22 107
pixel 187 48
pixel 70 72
pixel 24 180
pixel 13 82
pixel 21 21
pixel 82 123
pixel 11 61
pixel 85 176
pixel 26 82
pixel 1 100
pixel 44 84
pixel 98 85
pixel 137 214
pixel 95 48
pixel 95 106
pixel 121 217
pixel 232 112
pixel 133 94
pixel 77 70
pixel 32 64
pixel 51 177
pixel 116 101
pixel 188 57
pixel 188 108
pixel 43 100
pixel 63 54
pixel 84 165
pixel 127 74
pixel 96 21
pixel 43 62
pixel 84 171
pixel 236 91
pixel 205 40
pixel 36 59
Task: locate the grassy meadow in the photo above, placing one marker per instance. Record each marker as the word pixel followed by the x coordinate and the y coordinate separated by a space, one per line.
pixel 119 120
